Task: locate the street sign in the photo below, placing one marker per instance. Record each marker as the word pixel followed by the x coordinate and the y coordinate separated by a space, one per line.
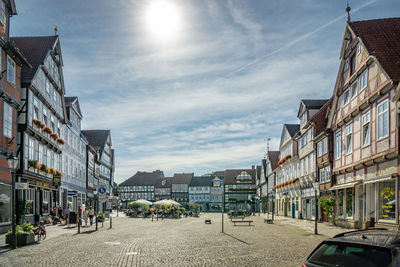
pixel 101 191
pixel 21 186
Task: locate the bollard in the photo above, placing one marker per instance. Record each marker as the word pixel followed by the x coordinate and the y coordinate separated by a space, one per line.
pixel 79 226
pixel 152 216
pixel 110 222
pixel 96 222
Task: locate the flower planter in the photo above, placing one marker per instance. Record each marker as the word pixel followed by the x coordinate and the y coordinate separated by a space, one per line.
pixel 22 239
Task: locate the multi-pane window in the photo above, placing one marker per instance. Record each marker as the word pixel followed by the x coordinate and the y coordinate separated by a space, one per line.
pixel 7 120
pixel 352 65
pixel 29 196
pixel 346 97
pixel 349 138
pixel 358 48
pixel 31 151
pixel 3 12
pixel 366 129
pixel 383 119
pixel 10 70
pixel 338 144
pixel 349 202
pixel 353 89
pixel 40 153
pixel 363 80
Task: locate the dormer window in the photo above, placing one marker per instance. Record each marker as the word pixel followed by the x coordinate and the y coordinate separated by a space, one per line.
pixel 244 176
pixel 303 118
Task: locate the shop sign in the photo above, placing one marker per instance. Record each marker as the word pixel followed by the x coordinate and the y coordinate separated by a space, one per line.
pixel 21 186
pixel 387 194
pixel 72 193
pixel 56 180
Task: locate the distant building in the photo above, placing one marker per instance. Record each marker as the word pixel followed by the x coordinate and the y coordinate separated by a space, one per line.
pixel 199 191
pixel 180 187
pixel 216 188
pixel 163 188
pixel 240 189
pixel 140 186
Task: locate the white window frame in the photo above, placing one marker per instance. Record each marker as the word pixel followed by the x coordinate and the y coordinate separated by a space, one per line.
pixel 366 121
pixel 325 146
pixel 380 115
pixel 358 48
pixel 354 90
pixel 8 114
pixel 363 80
pixel 3 16
pixel 349 139
pixel 11 69
pixel 346 100
pixel 338 145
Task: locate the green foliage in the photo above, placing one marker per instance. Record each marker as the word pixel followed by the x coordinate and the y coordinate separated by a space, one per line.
pixel 133 205
pixel 328 205
pixel 194 206
pixel 100 215
pixel 25 228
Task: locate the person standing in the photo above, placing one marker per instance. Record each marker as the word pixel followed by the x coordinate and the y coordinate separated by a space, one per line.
pixel 85 216
pixel 67 212
pixel 91 215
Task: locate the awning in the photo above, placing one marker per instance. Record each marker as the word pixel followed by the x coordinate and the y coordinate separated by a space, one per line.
pixel 378 179
pixel 341 186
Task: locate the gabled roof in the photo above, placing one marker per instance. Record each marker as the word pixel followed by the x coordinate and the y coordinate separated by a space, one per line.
pixel 273 157
pixel 35 49
pixel 144 178
pixel 220 174
pixel 11 5
pixel 166 185
pixel 201 181
pixel 311 104
pixel 320 119
pixel 292 128
pixel 230 175
pixel 73 100
pixel 381 37
pixel 182 178
pixel 97 138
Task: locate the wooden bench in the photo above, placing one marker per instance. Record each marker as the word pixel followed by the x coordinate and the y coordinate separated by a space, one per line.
pixel 207 221
pixel 249 222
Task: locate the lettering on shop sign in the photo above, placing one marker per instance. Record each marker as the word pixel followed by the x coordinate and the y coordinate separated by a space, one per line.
pixel 388 195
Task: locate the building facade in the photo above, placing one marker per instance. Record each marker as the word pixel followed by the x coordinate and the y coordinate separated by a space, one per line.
pixel 216 189
pixel 364 123
pixel 11 61
pixel 268 189
pixel 41 124
pixel 163 188
pixel 74 158
pixel 240 189
pixel 180 187
pixel 200 191
pixel 288 193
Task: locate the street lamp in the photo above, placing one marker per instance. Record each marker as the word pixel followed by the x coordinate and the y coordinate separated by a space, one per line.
pixel 12 166
pixel 273 203
pixel 316 187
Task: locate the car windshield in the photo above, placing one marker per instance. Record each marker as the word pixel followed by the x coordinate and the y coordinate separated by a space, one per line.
pixel 339 255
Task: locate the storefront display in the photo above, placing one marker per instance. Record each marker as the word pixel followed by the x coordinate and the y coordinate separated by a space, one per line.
pixel 5 203
pixel 387 200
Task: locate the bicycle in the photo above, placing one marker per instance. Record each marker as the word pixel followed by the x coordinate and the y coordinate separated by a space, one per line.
pixel 40 232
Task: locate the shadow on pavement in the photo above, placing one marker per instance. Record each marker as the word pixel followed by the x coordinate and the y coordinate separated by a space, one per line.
pixel 237 238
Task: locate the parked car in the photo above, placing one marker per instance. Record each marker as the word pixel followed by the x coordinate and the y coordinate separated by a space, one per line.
pixel 364 248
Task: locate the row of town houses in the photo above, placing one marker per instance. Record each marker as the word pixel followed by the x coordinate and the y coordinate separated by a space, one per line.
pixel 349 143
pixel 207 190
pixel 58 163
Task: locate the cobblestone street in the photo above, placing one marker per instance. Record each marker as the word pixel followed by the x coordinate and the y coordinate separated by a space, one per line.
pixel 183 242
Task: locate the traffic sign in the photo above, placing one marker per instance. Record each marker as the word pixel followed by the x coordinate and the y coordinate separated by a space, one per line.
pixel 102 190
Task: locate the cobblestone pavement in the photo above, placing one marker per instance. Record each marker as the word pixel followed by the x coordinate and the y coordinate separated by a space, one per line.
pixel 169 242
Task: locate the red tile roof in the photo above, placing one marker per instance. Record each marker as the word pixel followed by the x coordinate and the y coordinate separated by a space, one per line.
pixel 382 39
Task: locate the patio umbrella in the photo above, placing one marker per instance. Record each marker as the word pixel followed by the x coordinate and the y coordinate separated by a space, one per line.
pixel 143 202
pixel 167 202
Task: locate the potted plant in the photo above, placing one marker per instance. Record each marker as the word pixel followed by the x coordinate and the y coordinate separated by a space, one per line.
pixel 328 207
pixel 47 130
pixel 25 235
pixel 44 169
pixel 34 164
pixel 54 136
pixel 100 217
pixel 60 141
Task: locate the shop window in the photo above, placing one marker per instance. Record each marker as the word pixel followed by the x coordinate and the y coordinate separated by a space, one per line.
pixel 387 201
pixel 340 202
pixel 349 202
pixel 29 196
pixel 46 201
pixel 5 203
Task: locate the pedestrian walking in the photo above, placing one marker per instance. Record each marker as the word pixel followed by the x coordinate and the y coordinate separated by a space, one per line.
pixel 67 212
pixel 91 215
pixel 60 212
pixel 85 216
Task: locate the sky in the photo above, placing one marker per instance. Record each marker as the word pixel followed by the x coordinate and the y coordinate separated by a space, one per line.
pixel 194 86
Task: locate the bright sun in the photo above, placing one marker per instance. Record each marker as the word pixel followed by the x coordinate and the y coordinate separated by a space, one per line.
pixel 163 19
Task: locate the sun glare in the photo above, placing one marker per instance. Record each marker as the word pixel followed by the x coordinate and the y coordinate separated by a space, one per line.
pixel 163 19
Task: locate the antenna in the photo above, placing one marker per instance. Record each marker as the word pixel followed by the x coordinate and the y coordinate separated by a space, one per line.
pixel 348 8
pixel 55 31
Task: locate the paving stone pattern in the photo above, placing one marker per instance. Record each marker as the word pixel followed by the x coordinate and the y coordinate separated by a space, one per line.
pixel 170 242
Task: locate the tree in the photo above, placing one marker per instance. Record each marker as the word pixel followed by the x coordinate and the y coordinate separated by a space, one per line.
pixel 133 205
pixel 194 206
pixel 328 207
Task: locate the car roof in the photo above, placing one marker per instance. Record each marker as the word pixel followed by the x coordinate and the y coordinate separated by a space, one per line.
pixel 374 237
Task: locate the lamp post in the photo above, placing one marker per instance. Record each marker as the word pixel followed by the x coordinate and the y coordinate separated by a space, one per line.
pixel 316 187
pixel 13 165
pixel 273 203
pixel 223 205
pixel 96 206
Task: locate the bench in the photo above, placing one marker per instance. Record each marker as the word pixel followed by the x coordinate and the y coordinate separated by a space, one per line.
pixel 249 222
pixel 207 221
